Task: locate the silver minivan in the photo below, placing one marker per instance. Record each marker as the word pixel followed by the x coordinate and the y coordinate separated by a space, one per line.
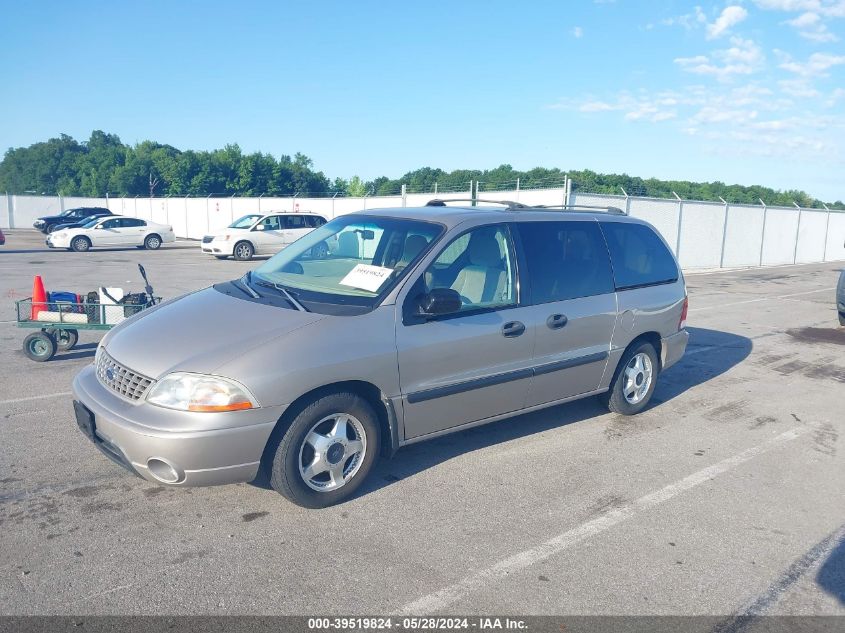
pixel 420 322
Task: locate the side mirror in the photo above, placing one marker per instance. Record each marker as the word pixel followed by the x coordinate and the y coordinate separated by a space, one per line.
pixel 259 227
pixel 367 234
pixel 438 302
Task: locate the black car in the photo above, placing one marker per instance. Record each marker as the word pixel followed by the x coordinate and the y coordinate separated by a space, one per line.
pixel 78 223
pixel 48 223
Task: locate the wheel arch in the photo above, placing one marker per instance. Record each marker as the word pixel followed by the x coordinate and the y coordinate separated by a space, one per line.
pixel 646 337
pixel 387 421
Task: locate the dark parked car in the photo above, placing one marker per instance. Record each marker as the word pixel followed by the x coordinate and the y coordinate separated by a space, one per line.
pixel 840 297
pixel 48 223
pixel 79 223
pixel 2 238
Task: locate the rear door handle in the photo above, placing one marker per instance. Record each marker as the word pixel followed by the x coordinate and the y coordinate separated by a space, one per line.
pixel 512 329
pixel 557 321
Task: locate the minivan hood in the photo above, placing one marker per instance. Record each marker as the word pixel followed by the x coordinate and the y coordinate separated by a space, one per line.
pixel 199 332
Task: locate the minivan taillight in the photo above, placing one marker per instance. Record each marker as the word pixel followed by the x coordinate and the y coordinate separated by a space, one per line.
pixel 683 322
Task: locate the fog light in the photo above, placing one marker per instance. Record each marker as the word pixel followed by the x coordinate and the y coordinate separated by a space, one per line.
pixel 163 471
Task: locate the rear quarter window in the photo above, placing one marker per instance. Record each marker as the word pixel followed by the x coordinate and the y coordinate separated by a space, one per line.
pixel 639 256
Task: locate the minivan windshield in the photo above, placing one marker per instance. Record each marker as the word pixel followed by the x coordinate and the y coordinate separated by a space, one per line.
pixel 244 222
pixel 351 261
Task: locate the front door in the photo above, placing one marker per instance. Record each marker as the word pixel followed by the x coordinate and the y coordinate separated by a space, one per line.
pixel 268 235
pixel 574 306
pixel 109 233
pixel 475 363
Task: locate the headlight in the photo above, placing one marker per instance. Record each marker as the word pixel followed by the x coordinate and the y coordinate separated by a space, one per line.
pixel 224 238
pixel 61 234
pixel 195 392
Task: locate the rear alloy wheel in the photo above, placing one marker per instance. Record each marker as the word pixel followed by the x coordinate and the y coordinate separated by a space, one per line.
pixel 327 452
pixel 39 346
pixel 80 244
pixel 634 381
pixel 243 251
pixel 152 242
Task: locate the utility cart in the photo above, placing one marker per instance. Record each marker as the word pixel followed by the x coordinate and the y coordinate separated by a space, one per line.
pixel 59 322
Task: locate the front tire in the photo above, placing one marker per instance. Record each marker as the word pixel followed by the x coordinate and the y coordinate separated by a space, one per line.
pixel 327 452
pixel 152 242
pixel 634 381
pixel 80 244
pixel 243 251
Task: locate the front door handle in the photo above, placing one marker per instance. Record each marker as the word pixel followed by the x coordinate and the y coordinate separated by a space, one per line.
pixel 512 329
pixel 557 321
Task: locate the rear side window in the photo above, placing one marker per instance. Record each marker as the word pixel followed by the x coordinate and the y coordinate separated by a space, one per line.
pixel 294 222
pixel 566 260
pixel 639 256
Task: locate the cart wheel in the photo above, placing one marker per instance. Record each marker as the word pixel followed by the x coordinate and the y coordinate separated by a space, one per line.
pixel 66 339
pixel 39 346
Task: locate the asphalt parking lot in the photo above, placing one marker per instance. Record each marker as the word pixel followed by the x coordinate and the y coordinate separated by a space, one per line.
pixel 726 496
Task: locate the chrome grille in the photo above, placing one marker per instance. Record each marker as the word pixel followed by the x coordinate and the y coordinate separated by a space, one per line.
pixel 120 379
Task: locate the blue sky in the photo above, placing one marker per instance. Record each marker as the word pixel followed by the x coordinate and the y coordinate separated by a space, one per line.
pixel 745 91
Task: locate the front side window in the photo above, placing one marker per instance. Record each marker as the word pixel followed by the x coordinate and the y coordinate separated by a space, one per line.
pixel 351 260
pixel 271 223
pixel 479 266
pixel 566 260
pixel 639 257
pixel 111 224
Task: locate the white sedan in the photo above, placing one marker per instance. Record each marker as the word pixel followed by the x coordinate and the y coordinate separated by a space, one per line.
pixel 113 231
pixel 261 234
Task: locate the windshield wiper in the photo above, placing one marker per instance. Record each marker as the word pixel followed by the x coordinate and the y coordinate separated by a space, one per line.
pixel 244 285
pixel 285 293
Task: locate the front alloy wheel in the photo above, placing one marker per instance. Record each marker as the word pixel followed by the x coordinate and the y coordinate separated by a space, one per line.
pixel 327 452
pixel 332 452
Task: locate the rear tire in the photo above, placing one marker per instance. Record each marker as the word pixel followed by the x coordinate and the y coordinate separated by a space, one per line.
pixel 39 346
pixel 80 244
pixel 327 452
pixel 243 251
pixel 66 340
pixel 152 242
pixel 634 380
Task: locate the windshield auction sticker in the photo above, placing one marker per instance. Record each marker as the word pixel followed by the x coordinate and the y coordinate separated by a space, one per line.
pixel 366 277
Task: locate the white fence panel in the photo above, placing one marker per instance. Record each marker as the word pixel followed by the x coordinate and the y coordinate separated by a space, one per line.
pixel 534 196
pixel 743 234
pixel 177 215
pixel 5 201
pixel 779 236
pixel 198 219
pixel 381 202
pixel 836 238
pixel 811 236
pixel 27 209
pixel 72 202
pixel 342 206
pixel 662 214
pixel 701 235
pixel 597 200
pixel 420 199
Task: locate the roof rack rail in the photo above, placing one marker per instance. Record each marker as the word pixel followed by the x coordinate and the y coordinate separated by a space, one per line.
pixel 437 202
pixel 580 207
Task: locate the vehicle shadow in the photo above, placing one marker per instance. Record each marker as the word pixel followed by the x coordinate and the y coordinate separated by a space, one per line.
pixel 831 575
pixel 82 350
pixel 710 353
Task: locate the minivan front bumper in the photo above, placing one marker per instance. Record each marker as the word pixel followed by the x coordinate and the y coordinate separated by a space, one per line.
pixel 199 457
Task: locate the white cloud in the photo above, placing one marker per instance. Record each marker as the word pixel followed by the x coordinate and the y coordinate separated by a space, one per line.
pixel 744 57
pixel 830 8
pixel 800 88
pixel 810 26
pixel 816 65
pixel 688 21
pixel 730 17
pixel 577 32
